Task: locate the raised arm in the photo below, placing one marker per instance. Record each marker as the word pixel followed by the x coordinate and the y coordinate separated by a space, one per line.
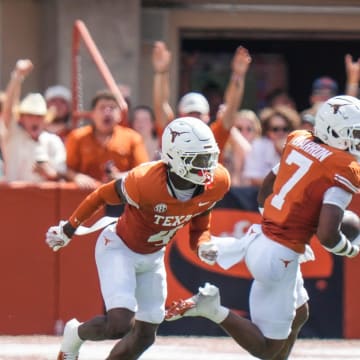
pixel 235 88
pixel 352 75
pixel 161 59
pixel 12 94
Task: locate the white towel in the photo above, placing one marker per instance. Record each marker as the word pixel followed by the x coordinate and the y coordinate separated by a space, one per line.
pixel 100 224
pixel 232 250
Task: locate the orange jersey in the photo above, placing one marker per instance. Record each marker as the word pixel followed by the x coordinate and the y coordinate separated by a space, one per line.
pixel 152 216
pixel 307 169
pixel 220 133
pixel 86 155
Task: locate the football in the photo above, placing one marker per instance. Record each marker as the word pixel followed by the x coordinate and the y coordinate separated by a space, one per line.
pixel 350 225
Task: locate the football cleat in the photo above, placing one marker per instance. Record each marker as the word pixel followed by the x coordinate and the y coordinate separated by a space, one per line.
pixel 67 356
pixel 205 303
pixel 178 309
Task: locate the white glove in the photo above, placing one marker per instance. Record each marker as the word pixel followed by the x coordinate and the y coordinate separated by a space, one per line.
pixel 56 238
pixel 208 252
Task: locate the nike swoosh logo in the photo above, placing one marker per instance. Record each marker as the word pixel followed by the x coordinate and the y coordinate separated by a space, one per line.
pixel 204 203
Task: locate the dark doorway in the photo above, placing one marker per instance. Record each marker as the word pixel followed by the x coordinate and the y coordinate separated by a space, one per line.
pixel 294 60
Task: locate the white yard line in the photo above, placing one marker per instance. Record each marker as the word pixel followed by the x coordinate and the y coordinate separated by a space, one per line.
pixel 174 348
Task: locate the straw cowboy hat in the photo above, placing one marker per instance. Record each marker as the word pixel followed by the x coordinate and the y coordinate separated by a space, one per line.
pixel 33 104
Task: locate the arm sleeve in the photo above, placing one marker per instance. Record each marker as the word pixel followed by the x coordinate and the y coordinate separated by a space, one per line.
pixel 338 197
pixel 220 133
pixel 199 230
pixel 105 194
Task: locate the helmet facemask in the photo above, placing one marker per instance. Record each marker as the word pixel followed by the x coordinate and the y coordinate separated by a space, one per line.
pixel 200 168
pixel 355 141
pixel 190 150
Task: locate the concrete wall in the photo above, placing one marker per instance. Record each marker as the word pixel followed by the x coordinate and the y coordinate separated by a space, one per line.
pixel 20 25
pixel 42 31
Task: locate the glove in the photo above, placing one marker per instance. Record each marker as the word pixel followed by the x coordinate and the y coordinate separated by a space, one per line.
pixel 208 253
pixel 55 236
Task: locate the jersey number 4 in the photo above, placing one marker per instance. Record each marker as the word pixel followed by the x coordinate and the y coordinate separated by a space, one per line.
pixel 304 165
pixel 163 237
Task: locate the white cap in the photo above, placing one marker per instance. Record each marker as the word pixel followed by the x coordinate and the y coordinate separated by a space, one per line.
pixel 33 104
pixel 58 91
pixel 193 102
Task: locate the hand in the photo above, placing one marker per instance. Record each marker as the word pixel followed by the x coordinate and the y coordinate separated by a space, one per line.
pixel 55 236
pixel 241 61
pixel 23 67
pixel 84 181
pixel 352 69
pixel 45 170
pixel 208 253
pixel 161 57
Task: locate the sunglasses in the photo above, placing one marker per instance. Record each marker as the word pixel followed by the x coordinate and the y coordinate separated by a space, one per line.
pixel 279 129
pixel 247 128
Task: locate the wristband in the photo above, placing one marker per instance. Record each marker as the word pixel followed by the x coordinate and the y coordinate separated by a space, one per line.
pixel 236 78
pixel 352 87
pixel 344 247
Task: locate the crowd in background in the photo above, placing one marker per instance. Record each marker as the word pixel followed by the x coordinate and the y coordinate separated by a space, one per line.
pixel 39 142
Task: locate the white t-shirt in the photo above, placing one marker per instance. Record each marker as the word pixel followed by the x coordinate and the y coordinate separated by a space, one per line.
pixel 261 159
pixel 20 152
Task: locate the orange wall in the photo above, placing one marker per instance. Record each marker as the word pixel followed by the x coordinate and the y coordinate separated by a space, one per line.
pixel 39 286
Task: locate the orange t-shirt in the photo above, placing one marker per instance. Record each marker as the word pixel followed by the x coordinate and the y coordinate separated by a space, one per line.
pixel 307 169
pixel 86 155
pixel 152 216
pixel 220 133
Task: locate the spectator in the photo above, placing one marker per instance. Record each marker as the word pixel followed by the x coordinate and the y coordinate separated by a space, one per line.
pixel 246 129
pixel 279 97
pixel 161 197
pixel 276 124
pixel 58 100
pixel 30 152
pixel 143 121
pixel 323 88
pixel 307 122
pixel 195 104
pixel 104 150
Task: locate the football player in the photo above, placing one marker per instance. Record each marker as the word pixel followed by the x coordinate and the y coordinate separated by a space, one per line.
pixel 305 194
pixel 161 197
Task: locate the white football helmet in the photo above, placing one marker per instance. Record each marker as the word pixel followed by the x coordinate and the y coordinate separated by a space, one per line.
pixel 337 123
pixel 190 150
